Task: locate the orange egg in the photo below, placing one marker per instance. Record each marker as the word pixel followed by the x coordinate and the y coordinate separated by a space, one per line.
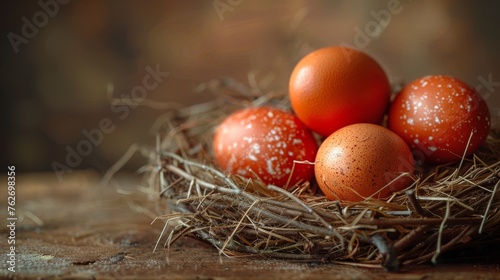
pixel 363 160
pixel 338 86
pixel 436 115
pixel 265 141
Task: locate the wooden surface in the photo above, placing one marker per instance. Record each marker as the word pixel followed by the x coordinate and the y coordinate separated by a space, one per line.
pixel 77 229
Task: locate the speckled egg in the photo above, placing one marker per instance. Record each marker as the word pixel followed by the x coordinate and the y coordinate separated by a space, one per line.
pixel 265 141
pixel 361 161
pixel 440 118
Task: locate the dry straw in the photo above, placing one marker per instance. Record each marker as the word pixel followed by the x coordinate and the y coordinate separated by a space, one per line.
pixel 453 206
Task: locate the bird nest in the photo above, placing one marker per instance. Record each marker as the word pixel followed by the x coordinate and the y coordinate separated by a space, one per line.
pixel 453 206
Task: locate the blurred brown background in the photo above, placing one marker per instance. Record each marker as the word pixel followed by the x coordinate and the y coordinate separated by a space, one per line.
pixel 54 84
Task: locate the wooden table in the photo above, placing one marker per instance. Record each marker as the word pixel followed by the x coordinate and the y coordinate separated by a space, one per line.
pixel 77 229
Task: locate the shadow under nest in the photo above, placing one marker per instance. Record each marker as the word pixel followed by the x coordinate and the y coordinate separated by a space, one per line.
pixel 453 206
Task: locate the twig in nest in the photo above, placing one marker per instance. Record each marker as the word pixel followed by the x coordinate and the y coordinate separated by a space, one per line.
pixel 389 261
pixel 296 200
pixel 440 232
pixel 493 194
pixel 414 203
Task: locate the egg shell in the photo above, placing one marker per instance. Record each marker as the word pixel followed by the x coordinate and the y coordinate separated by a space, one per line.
pixel 337 86
pixel 266 141
pixel 360 161
pixel 436 116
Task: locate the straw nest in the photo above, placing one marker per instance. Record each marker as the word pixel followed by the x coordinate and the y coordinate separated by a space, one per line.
pixel 447 207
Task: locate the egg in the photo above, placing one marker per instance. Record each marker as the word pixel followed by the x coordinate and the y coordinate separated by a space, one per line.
pixel 361 161
pixel 265 141
pixel 337 86
pixel 441 118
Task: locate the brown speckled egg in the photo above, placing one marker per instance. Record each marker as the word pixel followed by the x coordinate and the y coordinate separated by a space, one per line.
pixel 361 161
